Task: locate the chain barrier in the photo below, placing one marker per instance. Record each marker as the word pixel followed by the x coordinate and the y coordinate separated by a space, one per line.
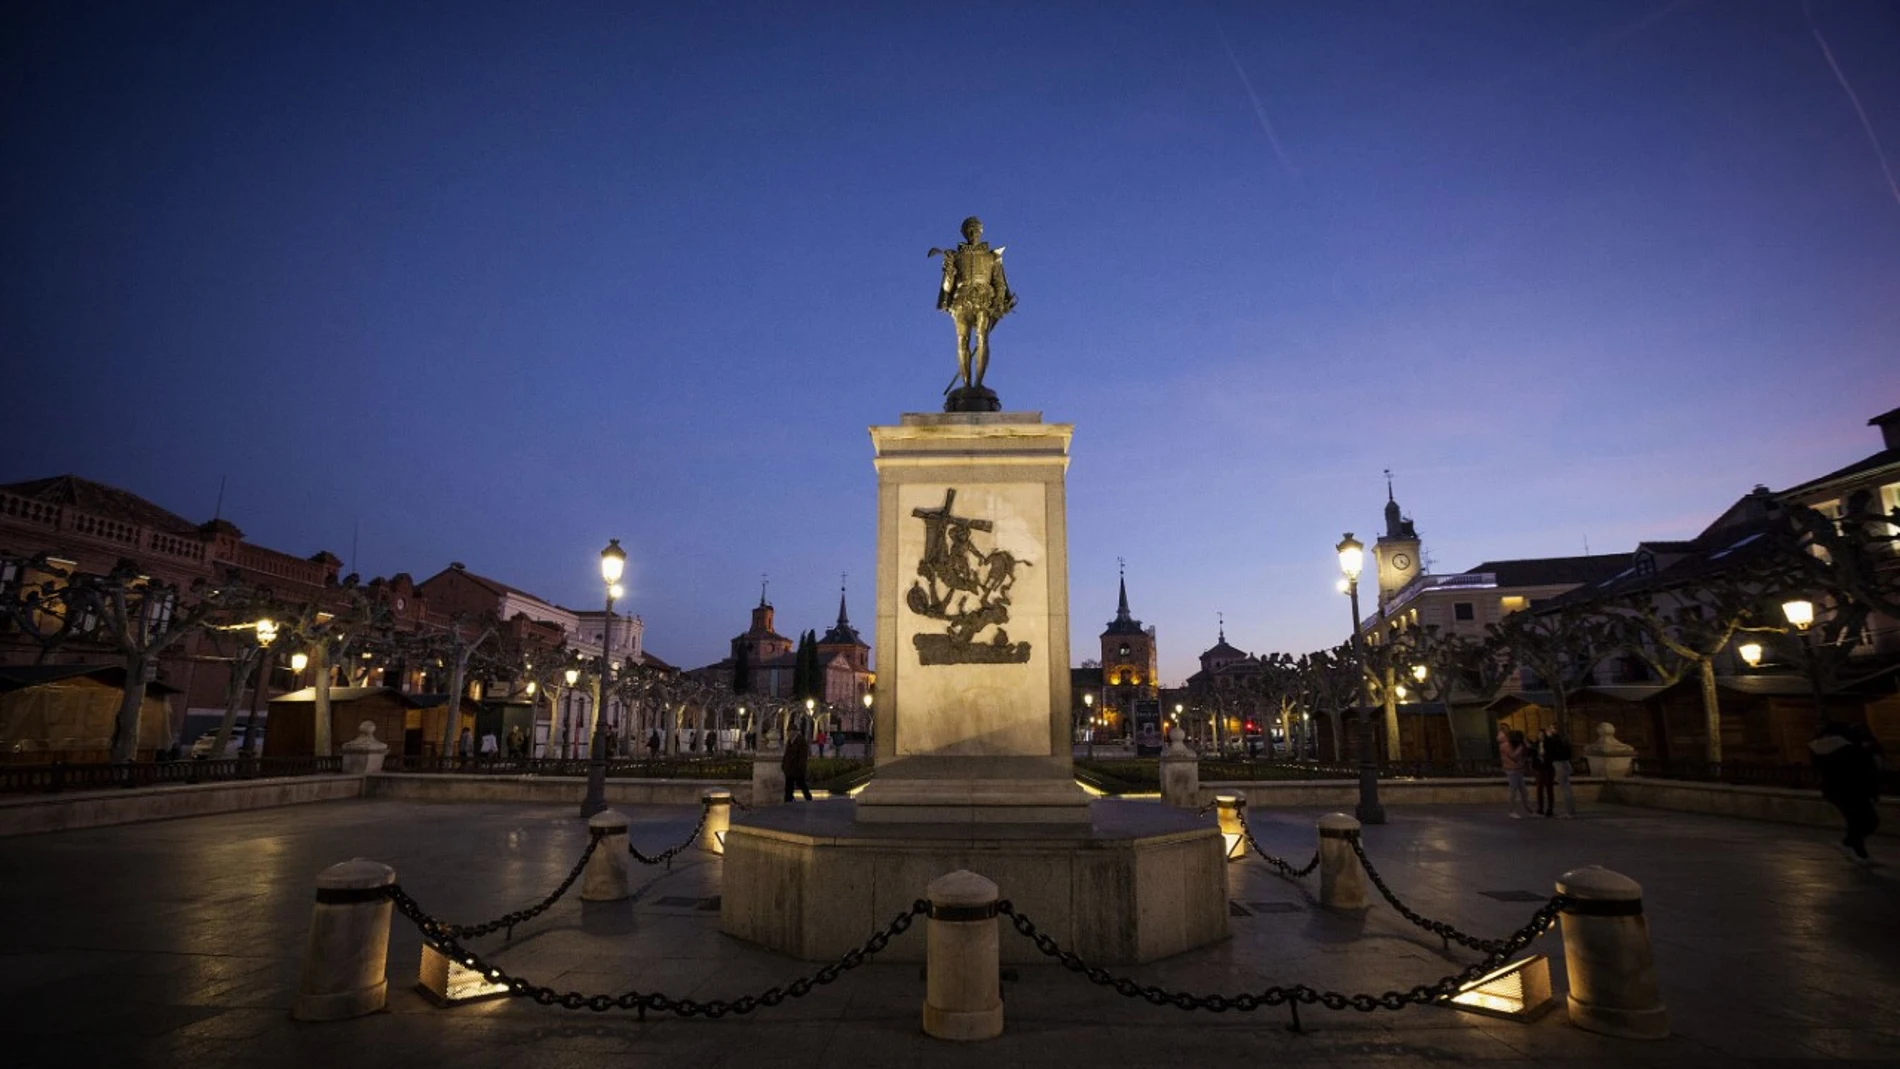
pixel 1438 928
pixel 666 857
pixel 444 937
pixel 1285 867
pixel 521 916
pixel 1296 994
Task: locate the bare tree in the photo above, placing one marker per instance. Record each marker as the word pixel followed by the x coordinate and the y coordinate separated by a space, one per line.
pixel 1561 646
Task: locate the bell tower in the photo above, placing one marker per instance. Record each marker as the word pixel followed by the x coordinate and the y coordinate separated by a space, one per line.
pixel 1396 550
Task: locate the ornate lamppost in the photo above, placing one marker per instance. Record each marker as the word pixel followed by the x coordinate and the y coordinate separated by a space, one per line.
pixel 1800 613
pixel 613 560
pixel 1352 558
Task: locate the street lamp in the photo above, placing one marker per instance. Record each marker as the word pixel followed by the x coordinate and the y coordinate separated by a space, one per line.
pixel 1751 654
pixel 266 629
pixel 1800 613
pixel 1352 558
pixel 613 561
pixel 868 716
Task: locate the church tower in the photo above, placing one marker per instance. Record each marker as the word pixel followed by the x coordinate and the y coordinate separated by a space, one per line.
pixel 1396 550
pixel 1129 660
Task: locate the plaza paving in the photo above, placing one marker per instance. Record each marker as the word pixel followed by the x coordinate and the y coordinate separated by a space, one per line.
pixel 179 943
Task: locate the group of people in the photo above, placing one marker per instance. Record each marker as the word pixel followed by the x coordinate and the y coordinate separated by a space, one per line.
pixel 1547 757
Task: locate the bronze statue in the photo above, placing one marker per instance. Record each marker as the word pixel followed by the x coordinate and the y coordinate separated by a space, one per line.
pixel 976 295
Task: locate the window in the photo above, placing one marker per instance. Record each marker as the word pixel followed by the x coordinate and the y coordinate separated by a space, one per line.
pixel 1464 610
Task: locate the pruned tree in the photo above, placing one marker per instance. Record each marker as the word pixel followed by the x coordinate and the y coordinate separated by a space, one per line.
pixel 1561 646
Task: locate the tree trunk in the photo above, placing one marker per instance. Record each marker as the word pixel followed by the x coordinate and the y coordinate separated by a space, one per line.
pixel 452 722
pixel 233 697
pixel 1711 708
pixel 321 732
pixel 258 679
pixel 125 726
pixel 1391 715
pixel 1339 740
pixel 1286 734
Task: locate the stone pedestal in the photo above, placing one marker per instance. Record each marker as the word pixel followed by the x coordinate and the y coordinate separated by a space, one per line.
pixel 768 778
pixel 1180 774
pixel 972 623
pixel 344 966
pixel 963 997
pixel 364 754
pixel 1609 756
pixel 1139 883
pixel 1607 955
pixel 605 878
pixel 1342 880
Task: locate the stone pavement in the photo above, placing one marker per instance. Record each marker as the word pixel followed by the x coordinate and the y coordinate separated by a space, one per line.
pixel 179 943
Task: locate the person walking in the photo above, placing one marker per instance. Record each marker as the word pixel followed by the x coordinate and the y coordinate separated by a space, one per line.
pixel 1558 755
pixel 793 764
pixel 1848 760
pixel 1546 779
pixel 465 745
pixel 1514 754
pixel 490 748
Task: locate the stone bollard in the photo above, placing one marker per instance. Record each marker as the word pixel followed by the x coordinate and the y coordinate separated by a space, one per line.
pixel 1609 756
pixel 1227 809
pixel 605 878
pixel 363 755
pixel 1342 880
pixel 344 967
pixel 768 779
pixel 1180 774
pixel 1612 973
pixel 718 803
pixel 963 998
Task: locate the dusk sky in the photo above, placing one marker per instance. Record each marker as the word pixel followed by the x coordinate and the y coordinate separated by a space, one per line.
pixel 500 282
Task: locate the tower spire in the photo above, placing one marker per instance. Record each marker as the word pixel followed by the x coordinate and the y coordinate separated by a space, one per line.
pixel 764 581
pixel 842 620
pixel 1222 617
pixel 1121 567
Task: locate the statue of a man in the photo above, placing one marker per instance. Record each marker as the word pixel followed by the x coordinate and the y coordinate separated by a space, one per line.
pixel 976 295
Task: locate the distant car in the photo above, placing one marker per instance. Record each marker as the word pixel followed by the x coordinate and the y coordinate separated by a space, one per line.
pixel 201 746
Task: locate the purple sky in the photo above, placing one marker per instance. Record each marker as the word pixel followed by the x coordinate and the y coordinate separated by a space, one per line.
pixel 499 282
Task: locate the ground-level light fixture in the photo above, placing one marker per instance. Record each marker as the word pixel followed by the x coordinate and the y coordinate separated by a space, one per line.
pixel 1519 991
pixel 447 982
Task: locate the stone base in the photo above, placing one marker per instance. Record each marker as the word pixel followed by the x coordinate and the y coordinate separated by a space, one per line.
pixel 1621 1023
pixel 1139 882
pixel 963 1026
pixel 341 1005
pixel 973 790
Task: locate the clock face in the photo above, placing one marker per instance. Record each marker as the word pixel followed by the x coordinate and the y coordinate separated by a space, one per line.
pixel 1401 561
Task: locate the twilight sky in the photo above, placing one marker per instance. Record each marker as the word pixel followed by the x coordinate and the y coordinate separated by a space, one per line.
pixel 498 282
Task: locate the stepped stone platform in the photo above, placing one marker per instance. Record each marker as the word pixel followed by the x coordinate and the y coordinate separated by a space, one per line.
pixel 1137 883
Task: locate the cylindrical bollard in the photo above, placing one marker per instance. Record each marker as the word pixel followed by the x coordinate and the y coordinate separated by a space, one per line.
pixel 718 803
pixel 345 966
pixel 1180 774
pixel 963 998
pixel 1612 972
pixel 605 879
pixel 1227 810
pixel 1342 880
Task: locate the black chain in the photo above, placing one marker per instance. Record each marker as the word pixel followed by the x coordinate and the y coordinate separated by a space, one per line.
pixel 1437 928
pixel 666 858
pixel 1285 867
pixel 519 916
pixel 1423 994
pixel 439 934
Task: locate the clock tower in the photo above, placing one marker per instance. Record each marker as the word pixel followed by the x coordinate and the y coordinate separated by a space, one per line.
pixel 1396 550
